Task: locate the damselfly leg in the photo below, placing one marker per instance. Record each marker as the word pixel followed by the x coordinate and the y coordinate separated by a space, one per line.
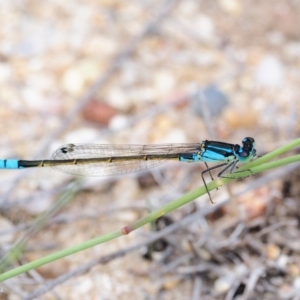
pixel 232 166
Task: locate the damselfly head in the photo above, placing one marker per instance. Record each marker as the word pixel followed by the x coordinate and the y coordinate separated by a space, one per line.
pixel 248 141
pixel 247 151
pixel 248 144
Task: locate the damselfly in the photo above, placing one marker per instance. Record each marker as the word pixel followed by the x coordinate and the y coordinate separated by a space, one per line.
pixel 103 160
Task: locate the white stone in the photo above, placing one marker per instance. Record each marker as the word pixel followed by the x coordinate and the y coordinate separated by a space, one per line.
pixel 118 122
pixel 270 72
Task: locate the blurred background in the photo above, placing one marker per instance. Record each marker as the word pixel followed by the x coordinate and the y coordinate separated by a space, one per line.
pixel 146 72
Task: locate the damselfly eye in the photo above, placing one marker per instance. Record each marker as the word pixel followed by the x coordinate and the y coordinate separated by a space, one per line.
pixel 248 140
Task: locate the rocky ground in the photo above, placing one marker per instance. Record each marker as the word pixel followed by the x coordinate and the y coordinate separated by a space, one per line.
pixel 146 72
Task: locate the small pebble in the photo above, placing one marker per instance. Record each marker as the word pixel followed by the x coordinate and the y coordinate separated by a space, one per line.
pixel 296 283
pixel 223 284
pixel 273 251
pixel 270 72
pixel 98 112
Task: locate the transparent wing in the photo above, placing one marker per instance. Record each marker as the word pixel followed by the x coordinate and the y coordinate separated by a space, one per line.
pixel 128 165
